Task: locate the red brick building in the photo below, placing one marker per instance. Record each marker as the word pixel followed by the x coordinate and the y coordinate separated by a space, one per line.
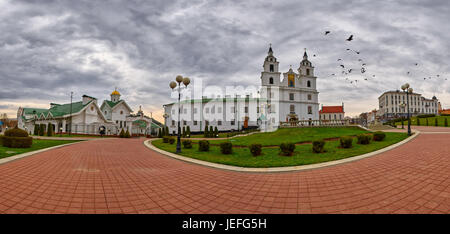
pixel 332 112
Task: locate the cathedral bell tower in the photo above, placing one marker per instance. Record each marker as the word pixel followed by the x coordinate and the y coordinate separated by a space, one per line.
pixel 270 75
pixel 306 73
pixel 115 96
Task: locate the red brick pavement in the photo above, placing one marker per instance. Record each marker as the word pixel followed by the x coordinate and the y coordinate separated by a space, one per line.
pixel 123 176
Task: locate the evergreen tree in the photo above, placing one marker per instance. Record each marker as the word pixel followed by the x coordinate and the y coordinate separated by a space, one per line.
pixel 127 134
pixel 446 122
pixel 211 131
pixel 122 133
pixel 184 131
pixel 36 129
pixel 42 130
pixel 206 134
pixel 435 122
pixel 159 133
pixel 50 130
pixel 418 121
pixel 163 131
pixel 188 131
pixel 216 132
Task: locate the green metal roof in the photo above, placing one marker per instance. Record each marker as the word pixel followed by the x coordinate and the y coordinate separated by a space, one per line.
pixel 58 110
pixel 141 123
pixel 206 100
pixel 112 104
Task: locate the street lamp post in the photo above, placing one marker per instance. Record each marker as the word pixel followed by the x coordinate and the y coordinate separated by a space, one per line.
pixel 173 85
pixel 408 90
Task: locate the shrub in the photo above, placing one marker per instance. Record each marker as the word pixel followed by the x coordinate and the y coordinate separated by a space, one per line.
pixel 446 122
pixel 36 129
pixel 211 131
pixel 183 133
pixel 42 130
pixel 50 130
pixel 318 146
pixel 17 142
pixel 226 148
pixel 171 140
pixel 346 141
pixel 364 139
pixel 418 121
pixel 216 132
pixel 379 136
pixel 122 133
pixel 159 133
pixel 255 149
pixel 188 131
pixel 426 116
pixel 127 134
pixel 163 131
pixel 206 134
pixel 435 122
pixel 16 132
pixel 426 122
pixel 287 149
pixel 166 139
pixel 187 144
pixel 203 146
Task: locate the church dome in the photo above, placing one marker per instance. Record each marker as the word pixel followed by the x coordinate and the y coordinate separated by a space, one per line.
pixel 115 92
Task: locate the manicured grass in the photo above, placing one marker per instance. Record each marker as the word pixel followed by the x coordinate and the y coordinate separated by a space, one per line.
pixel 270 156
pixel 37 145
pixel 423 121
pixel 293 135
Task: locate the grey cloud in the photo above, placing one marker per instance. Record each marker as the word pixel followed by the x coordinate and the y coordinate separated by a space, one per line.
pixel 90 47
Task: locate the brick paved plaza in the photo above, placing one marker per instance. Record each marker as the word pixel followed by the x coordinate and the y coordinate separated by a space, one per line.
pixel 123 176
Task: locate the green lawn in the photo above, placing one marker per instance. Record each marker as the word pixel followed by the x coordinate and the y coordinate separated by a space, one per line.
pixel 423 121
pixel 294 135
pixel 37 145
pixel 303 153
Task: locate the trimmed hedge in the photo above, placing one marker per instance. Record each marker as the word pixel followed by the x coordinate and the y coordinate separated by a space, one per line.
pixel 187 144
pixel 318 146
pixel 426 116
pixel 379 136
pixel 255 149
pixel 287 149
pixel 226 148
pixel 166 139
pixel 203 146
pixel 364 139
pixel 16 132
pixel 17 142
pixel 346 141
pixel 446 122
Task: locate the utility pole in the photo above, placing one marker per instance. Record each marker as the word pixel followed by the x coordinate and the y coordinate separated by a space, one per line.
pixel 70 125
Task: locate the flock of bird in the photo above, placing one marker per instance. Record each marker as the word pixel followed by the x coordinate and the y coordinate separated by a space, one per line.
pixel 347 70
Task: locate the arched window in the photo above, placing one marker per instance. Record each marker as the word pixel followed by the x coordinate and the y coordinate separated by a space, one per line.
pixel 271 80
pixel 271 68
pixel 309 97
pixel 307 72
pixel 308 83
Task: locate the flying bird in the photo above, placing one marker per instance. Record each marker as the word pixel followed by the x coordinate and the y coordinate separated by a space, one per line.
pixel 363 70
pixel 417 64
pixel 342 66
pixel 350 70
pixel 339 59
pixel 327 32
pixel 350 38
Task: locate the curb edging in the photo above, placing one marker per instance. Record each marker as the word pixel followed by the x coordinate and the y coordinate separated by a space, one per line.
pixel 149 145
pixel 19 156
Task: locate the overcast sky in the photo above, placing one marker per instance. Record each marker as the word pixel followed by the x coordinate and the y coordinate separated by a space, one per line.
pixel 49 48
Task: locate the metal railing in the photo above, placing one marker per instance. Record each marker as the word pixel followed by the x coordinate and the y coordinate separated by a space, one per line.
pixel 314 123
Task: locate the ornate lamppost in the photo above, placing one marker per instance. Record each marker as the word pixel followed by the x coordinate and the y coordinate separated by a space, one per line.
pixel 408 90
pixel 173 85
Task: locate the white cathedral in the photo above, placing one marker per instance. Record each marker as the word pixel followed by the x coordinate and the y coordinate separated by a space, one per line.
pixel 292 98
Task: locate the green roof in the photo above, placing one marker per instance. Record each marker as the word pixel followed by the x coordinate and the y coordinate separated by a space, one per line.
pixel 206 100
pixel 112 104
pixel 58 110
pixel 141 123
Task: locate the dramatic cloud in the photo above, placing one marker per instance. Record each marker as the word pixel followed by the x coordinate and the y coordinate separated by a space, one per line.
pixel 50 48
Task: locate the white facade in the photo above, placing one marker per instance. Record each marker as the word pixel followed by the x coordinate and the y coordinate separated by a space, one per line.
pixel 294 97
pixel 390 104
